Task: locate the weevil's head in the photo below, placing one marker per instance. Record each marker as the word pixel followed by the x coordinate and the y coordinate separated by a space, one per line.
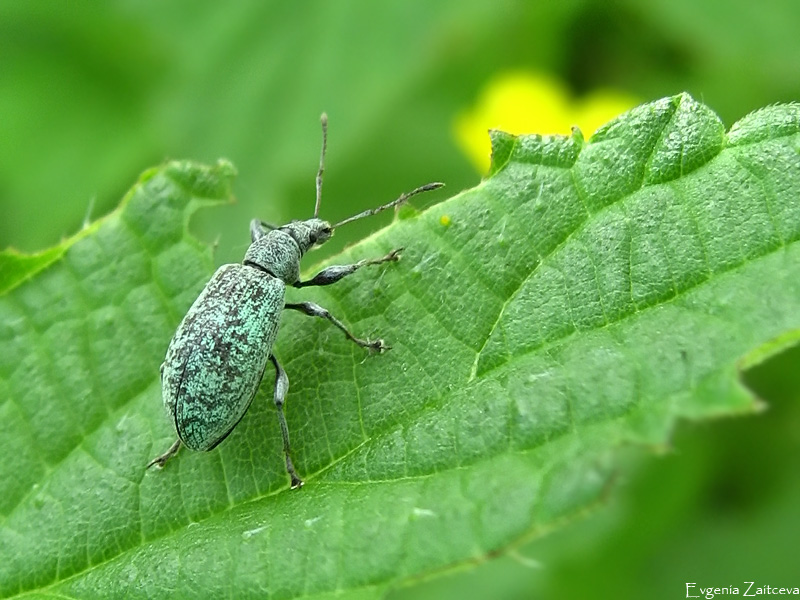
pixel 312 232
pixel 278 250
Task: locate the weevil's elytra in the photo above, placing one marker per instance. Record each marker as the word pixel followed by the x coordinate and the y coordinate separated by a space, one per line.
pixel 234 323
pixel 218 355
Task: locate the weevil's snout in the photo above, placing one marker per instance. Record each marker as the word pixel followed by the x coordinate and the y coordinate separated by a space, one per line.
pixel 317 232
pixel 322 234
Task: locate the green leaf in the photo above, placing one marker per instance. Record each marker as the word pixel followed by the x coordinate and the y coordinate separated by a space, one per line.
pixel 16 267
pixel 582 299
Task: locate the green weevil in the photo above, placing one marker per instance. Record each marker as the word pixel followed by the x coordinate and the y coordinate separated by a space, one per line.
pixel 218 355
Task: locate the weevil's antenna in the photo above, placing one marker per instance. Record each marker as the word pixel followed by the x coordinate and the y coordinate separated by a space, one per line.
pixel 324 120
pixel 373 211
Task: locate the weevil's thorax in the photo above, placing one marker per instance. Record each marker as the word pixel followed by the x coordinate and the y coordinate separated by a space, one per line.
pixel 279 251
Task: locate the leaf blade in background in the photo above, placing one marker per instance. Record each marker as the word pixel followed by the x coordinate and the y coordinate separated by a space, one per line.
pixel 582 299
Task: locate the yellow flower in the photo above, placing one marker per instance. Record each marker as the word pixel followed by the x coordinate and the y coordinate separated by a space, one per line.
pixel 532 103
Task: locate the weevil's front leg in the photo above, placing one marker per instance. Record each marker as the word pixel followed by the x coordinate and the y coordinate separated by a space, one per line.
pixel 315 310
pixel 281 389
pixel 337 272
pixel 161 460
pixel 259 229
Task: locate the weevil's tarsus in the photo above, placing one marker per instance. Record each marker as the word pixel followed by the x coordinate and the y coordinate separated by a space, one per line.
pixel 394 203
pixel 324 121
pixel 335 273
pixel 315 310
pixel 162 460
pixel 281 389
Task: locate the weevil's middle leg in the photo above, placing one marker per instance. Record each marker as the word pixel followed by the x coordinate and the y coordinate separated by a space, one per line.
pixel 281 389
pixel 337 272
pixel 161 460
pixel 315 310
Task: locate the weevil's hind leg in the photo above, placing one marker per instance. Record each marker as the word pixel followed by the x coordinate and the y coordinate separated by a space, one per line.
pixel 161 460
pixel 315 310
pixel 337 272
pixel 281 389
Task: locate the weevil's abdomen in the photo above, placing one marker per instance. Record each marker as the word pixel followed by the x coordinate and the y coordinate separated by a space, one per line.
pixel 216 359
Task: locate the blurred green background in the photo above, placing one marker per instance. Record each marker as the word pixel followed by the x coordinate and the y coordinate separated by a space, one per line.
pixel 91 94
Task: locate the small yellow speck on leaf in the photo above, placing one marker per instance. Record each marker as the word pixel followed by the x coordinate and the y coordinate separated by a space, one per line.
pixel 444 220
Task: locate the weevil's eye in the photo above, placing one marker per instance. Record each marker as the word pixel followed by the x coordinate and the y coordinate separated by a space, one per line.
pixel 321 236
pixel 312 237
